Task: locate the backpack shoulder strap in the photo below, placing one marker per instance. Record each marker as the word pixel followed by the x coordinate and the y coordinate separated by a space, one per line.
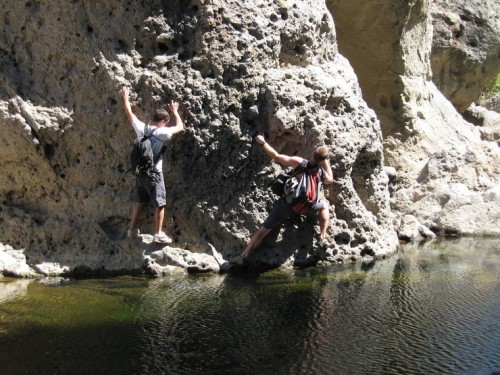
pixel 158 154
pixel 149 131
pixel 321 172
pixel 300 168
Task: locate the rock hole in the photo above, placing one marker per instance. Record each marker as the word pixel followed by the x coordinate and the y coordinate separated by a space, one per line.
pixel 163 47
pixel 48 151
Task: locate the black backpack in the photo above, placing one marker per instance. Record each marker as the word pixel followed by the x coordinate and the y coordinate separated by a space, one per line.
pixel 279 183
pixel 301 194
pixel 142 160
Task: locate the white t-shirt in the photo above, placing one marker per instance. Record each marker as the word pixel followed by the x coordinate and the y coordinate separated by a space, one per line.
pixel 160 136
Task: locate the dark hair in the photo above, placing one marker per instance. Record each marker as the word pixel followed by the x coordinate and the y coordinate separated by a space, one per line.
pixel 161 115
pixel 320 154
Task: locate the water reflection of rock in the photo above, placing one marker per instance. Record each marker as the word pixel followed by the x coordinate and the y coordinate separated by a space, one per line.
pixel 416 308
pixel 477 251
pixel 10 290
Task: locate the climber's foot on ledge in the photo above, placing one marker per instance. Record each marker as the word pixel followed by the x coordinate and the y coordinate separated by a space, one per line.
pixel 238 260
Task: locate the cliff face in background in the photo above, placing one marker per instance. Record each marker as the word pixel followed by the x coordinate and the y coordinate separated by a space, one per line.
pixel 445 176
pixel 465 48
pixel 235 68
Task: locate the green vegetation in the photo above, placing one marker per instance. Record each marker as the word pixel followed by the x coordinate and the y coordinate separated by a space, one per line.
pixel 491 89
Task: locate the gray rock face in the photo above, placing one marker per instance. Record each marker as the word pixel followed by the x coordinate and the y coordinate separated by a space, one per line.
pixel 450 199
pixel 465 48
pixel 65 140
pixel 237 68
pixel 492 104
pixel 488 122
pixel 426 140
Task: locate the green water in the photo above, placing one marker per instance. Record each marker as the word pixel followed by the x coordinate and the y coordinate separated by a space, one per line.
pixel 425 310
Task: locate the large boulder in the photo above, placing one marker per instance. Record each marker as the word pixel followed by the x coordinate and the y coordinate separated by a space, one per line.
pixel 235 67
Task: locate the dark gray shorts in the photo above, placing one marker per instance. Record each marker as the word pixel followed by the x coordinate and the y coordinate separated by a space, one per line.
pixel 282 211
pixel 150 188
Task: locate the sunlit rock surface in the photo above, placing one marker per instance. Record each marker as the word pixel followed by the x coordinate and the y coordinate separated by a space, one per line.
pixel 446 169
pixel 235 67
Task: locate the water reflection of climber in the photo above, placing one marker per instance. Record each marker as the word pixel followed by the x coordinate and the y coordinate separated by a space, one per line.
pixel 152 187
pixel 317 171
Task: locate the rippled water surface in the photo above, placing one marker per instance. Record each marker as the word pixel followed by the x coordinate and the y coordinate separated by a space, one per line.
pixel 425 310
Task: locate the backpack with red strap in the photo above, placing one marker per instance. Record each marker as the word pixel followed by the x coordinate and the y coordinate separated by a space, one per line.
pixel 303 193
